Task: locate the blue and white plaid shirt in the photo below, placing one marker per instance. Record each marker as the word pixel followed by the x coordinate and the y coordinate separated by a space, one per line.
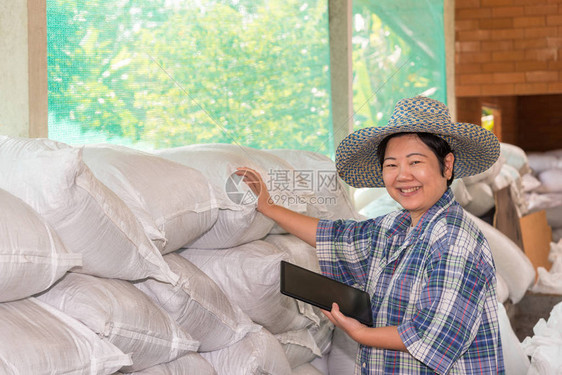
pixel 435 282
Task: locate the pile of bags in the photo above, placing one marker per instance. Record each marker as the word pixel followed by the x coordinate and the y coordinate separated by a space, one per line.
pixel 547 192
pixel 116 260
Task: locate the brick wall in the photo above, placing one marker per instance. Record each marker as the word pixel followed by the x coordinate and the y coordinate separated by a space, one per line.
pixel 508 47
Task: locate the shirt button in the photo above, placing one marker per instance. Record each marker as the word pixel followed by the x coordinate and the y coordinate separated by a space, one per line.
pixel 364 365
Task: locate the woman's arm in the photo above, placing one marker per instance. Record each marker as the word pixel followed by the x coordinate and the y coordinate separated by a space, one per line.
pixel 378 337
pixel 302 226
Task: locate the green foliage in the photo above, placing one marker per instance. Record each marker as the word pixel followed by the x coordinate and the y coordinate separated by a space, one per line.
pixel 398 52
pixel 187 74
pixel 254 72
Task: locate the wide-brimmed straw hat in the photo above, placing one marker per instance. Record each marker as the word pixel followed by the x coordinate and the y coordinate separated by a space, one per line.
pixel 474 147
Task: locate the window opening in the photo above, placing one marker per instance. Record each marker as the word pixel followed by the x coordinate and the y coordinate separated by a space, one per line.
pixel 157 74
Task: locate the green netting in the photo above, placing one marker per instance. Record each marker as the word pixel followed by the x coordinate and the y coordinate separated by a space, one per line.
pixel 163 73
pixel 398 52
pixel 159 74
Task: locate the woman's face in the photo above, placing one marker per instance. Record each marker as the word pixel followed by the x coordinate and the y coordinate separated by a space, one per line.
pixel 412 175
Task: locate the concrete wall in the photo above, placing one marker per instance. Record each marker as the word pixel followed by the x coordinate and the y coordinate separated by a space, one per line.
pixel 14 83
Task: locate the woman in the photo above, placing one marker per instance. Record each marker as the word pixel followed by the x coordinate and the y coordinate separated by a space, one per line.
pixel 428 268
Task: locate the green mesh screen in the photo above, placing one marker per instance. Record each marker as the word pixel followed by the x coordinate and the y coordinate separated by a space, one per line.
pixel 398 52
pixel 155 74
pixel 163 73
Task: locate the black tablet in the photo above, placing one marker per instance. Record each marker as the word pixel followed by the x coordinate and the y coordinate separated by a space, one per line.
pixel 321 291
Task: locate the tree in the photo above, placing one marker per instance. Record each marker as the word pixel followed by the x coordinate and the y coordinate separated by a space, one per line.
pixel 195 74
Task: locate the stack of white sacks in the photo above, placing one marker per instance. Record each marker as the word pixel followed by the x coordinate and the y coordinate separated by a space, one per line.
pixel 119 261
pixel 545 346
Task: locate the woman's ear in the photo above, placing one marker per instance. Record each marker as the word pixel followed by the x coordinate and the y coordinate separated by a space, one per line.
pixel 449 162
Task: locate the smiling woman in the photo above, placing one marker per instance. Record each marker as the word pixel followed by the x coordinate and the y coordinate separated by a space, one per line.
pixel 428 268
pixel 414 174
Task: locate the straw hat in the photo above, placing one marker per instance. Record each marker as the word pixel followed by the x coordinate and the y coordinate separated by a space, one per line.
pixel 474 147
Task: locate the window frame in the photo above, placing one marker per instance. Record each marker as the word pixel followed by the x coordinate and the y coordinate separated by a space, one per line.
pixel 340 30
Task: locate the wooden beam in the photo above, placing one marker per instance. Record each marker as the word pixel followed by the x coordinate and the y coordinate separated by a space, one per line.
pixel 37 66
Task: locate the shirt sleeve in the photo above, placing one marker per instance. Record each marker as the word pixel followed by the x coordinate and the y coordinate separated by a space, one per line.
pixel 344 249
pixel 450 307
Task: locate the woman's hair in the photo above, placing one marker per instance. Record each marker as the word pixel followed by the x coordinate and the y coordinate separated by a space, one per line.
pixel 438 145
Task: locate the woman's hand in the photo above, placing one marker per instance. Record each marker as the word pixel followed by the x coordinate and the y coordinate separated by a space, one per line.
pixel 255 182
pixel 351 326
pixel 378 337
pixel 302 226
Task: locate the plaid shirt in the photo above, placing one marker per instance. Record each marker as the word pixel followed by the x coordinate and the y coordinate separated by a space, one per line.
pixel 435 282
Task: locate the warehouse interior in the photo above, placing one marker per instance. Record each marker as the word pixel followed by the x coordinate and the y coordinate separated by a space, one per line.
pixel 211 293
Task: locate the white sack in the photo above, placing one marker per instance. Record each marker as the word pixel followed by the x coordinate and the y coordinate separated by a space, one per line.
pixel 323 333
pixel 461 192
pixel 341 359
pixel 550 282
pixel 551 180
pixel 511 262
pixel 514 358
pixel 488 176
pixel 537 202
pixel 190 364
pixel 317 174
pixel 89 218
pixel 515 157
pixel 556 234
pixel 299 347
pixel 299 251
pixel 307 344
pixel 305 256
pixel 39 339
pixel 307 369
pixel 363 196
pixel 32 256
pixel 539 161
pixel 482 198
pixel 545 347
pixel 321 364
pixel 199 306
pixel 508 176
pixel 238 221
pixel 257 354
pixel 174 203
pixel 380 206
pixel 502 289
pixel 249 275
pixel 123 315
pixel 529 183
pixel 556 152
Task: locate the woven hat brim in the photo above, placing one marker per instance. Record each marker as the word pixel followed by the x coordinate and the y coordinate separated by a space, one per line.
pixel 474 147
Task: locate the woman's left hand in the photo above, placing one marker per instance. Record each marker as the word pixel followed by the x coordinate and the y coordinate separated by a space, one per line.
pixel 351 326
pixel 380 337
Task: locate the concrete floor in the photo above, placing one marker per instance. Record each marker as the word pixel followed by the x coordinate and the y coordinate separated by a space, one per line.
pixel 527 312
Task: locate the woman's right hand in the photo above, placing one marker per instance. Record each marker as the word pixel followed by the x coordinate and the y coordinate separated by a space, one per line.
pixel 255 182
pixel 302 226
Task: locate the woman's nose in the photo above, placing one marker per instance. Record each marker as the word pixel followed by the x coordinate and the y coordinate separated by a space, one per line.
pixel 404 172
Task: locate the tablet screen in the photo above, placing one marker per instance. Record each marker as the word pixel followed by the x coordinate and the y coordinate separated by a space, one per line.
pixel 321 291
